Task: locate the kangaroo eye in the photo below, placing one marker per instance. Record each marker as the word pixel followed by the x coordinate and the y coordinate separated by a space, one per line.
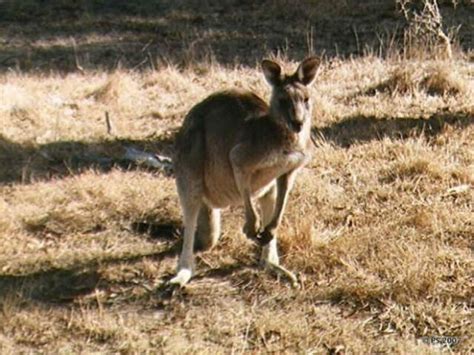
pixel 306 100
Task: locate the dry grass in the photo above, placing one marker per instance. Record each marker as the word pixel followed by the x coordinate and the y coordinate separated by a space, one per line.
pixel 434 78
pixel 383 247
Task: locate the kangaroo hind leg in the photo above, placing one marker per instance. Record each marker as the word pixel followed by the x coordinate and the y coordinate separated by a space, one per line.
pixel 208 228
pixel 190 199
pixel 269 257
pixel 267 208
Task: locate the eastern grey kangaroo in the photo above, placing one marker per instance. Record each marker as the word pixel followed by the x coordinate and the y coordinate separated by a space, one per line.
pixel 235 149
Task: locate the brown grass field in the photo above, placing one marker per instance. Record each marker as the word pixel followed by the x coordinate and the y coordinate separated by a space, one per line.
pixel 379 226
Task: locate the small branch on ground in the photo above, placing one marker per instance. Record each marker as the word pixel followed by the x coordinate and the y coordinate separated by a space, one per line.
pixel 149 160
pixel 108 124
pixel 76 57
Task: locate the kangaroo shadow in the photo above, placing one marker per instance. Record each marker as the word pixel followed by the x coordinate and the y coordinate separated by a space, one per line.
pixel 360 129
pixel 62 285
pixel 25 163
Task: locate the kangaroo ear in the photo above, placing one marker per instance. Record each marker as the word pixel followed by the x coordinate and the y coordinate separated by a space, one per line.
pixel 272 71
pixel 307 70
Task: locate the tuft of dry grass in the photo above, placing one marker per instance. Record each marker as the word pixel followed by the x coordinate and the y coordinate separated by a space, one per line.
pixel 379 224
pixel 435 78
pixel 443 79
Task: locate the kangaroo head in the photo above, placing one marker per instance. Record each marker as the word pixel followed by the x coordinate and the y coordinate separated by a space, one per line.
pixel 290 101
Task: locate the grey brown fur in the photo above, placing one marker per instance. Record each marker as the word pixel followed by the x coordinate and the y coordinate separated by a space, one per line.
pixel 234 149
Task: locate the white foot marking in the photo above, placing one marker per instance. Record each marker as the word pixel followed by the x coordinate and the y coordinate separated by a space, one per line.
pixel 270 254
pixel 182 278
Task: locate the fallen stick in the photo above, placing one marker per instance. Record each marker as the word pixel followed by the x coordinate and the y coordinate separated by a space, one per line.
pixel 155 161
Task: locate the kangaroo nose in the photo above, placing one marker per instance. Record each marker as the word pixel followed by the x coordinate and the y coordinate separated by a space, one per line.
pixel 296 125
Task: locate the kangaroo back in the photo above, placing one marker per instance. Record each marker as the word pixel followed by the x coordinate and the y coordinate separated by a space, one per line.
pixel 208 134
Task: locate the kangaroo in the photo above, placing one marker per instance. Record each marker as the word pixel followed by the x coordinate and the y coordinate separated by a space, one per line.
pixel 234 149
